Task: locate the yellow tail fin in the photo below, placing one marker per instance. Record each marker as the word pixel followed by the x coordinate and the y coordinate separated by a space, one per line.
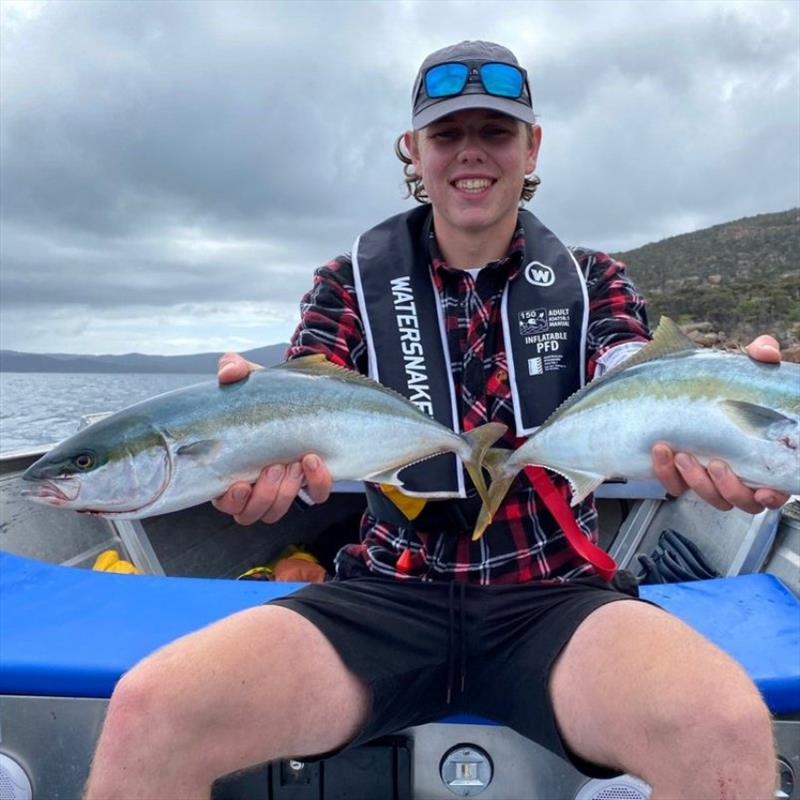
pixel 480 440
pixel 495 461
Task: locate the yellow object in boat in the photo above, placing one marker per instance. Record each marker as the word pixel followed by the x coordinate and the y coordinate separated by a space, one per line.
pixel 267 571
pixel 109 561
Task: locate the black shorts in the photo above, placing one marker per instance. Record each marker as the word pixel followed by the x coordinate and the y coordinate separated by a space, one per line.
pixel 429 650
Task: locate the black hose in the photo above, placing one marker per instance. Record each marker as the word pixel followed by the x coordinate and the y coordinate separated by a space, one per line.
pixel 675 559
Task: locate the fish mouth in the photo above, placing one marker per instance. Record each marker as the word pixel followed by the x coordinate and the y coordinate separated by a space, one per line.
pixel 53 493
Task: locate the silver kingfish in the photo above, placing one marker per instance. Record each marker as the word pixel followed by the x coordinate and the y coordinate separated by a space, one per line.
pixel 710 403
pixel 187 446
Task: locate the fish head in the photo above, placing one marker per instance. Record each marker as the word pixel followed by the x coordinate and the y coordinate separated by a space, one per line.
pixel 105 469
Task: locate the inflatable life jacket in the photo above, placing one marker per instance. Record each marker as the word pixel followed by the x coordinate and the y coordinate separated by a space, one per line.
pixel 545 314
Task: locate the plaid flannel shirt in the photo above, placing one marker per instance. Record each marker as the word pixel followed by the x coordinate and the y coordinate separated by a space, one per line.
pixel 523 543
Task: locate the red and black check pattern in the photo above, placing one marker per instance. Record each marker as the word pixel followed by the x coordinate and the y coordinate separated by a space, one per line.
pixel 523 543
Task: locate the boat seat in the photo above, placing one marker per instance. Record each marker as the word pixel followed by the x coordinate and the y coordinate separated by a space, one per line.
pixel 73 633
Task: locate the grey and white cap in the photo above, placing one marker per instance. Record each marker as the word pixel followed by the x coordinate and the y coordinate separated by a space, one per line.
pixel 428 109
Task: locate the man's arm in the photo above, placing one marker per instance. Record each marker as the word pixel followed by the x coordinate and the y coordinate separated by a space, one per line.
pixel 618 323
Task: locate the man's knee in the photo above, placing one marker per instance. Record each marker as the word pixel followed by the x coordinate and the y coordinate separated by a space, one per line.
pixel 717 719
pixel 663 699
pixel 718 723
pixel 142 705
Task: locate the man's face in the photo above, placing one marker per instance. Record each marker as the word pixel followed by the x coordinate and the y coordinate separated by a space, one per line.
pixel 473 164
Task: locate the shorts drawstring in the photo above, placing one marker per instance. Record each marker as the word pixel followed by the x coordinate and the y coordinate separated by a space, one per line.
pixel 452 634
pixel 462 596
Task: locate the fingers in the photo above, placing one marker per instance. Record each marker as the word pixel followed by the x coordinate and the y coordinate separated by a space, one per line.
pixel 716 484
pixel 764 348
pixel 234 500
pixel 665 470
pixel 276 488
pixel 720 487
pixel 232 367
pixel 769 498
pixel 697 479
pixel 318 479
pixel 754 501
pixel 273 493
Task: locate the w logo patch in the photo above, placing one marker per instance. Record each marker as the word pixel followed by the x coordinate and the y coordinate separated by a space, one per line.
pixel 539 274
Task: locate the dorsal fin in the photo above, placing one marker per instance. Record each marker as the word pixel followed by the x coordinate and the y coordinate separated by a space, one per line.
pixel 317 364
pixel 668 339
pixel 303 361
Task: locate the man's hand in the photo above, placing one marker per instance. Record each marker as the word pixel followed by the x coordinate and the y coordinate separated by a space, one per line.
pixel 276 488
pixel 717 485
pixel 232 367
pixel 270 497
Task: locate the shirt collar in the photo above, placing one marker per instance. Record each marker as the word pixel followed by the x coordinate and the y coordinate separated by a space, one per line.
pixel 511 262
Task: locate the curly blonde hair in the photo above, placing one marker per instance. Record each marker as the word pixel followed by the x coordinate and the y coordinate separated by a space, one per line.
pixel 416 188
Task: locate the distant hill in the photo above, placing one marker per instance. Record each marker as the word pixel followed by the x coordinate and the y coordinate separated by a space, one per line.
pixel 736 280
pixel 730 282
pixel 198 364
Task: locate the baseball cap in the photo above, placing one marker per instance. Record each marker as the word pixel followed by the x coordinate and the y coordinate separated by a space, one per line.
pixel 474 93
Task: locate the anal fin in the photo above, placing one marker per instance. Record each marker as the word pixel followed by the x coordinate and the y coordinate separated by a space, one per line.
pixel 581 483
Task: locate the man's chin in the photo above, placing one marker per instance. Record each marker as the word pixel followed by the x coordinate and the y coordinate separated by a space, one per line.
pixel 477 220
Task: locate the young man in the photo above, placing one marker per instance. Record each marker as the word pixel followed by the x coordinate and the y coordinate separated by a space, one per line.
pixel 438 303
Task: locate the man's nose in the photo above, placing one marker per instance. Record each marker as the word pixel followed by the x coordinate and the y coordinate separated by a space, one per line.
pixel 471 149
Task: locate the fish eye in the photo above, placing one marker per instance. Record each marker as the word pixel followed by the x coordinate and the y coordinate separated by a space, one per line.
pixel 84 461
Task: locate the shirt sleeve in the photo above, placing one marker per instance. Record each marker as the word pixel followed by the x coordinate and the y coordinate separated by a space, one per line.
pixel 617 313
pixel 330 322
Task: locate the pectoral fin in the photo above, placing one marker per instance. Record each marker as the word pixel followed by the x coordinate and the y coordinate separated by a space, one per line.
pixel 204 450
pixel 752 419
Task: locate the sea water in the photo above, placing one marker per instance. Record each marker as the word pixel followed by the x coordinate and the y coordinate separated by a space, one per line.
pixel 39 409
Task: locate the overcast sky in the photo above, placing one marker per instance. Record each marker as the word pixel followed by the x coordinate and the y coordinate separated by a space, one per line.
pixel 171 173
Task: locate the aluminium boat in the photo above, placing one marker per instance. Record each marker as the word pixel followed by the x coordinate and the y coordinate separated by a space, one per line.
pixel 68 633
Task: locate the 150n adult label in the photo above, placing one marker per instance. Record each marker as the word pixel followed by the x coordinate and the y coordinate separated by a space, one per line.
pixel 545 331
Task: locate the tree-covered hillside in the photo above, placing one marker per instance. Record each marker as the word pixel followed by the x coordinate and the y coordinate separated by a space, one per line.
pixel 734 280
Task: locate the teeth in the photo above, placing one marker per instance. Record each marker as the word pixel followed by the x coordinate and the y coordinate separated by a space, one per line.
pixel 473 184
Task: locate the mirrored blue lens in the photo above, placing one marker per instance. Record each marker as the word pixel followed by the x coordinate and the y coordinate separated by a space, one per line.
pixel 445 80
pixel 502 80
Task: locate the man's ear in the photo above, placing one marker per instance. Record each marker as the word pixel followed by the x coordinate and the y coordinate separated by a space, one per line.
pixel 410 144
pixel 534 143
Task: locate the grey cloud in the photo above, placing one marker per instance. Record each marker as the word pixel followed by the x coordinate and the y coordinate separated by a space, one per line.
pixel 271 124
pixel 135 119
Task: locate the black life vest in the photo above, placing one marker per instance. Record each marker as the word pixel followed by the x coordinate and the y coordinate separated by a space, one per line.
pixel 544 311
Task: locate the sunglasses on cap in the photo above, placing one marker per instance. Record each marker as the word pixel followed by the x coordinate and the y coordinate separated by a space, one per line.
pixel 498 79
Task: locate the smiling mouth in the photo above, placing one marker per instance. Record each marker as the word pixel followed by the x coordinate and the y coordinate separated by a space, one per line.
pixel 473 185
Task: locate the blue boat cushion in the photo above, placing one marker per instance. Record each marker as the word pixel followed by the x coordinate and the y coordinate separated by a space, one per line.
pixel 71 632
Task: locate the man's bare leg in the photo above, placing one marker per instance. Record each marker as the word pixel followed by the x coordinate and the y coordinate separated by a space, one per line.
pixel 639 690
pixel 259 685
